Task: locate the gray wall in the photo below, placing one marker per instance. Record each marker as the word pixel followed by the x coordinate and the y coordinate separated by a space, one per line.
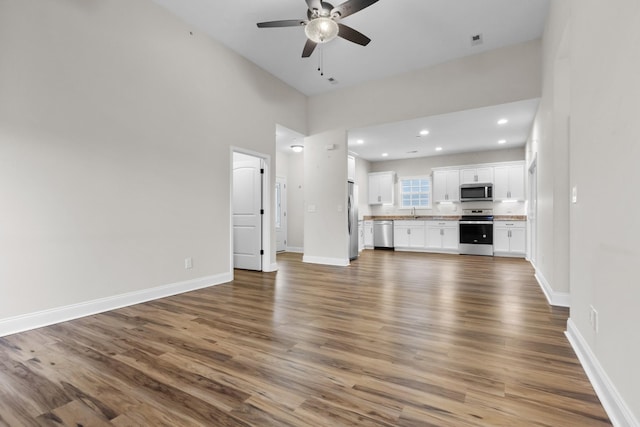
pixel 491 78
pixel 291 166
pixel 586 135
pixel 115 136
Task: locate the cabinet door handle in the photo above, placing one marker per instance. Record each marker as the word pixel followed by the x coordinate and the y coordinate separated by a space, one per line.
pixel 441 232
pixel 408 231
pixel 475 178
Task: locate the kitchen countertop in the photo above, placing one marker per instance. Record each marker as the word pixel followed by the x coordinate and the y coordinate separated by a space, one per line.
pixel 438 217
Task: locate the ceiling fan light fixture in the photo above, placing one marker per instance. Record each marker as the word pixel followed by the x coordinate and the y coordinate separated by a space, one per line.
pixel 321 30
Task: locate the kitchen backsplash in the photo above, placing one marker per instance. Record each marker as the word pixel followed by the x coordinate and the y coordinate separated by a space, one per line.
pixel 499 208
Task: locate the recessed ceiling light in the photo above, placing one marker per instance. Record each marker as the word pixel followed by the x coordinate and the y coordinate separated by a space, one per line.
pixel 438 148
pixel 385 154
pixel 424 132
pixel 502 141
pixel 503 121
pixel 360 142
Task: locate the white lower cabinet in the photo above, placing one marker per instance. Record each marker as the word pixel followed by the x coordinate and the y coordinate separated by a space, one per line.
pixel 442 236
pixel 409 235
pixel 360 236
pixel 368 234
pixel 509 238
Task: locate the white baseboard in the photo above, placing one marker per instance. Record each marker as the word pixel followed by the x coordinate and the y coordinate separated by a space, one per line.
pixel 25 322
pixel 340 262
pixel 271 268
pixel 559 299
pixel 618 411
pixel 295 249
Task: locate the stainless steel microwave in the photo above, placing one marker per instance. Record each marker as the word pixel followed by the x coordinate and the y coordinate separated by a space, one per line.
pixel 476 192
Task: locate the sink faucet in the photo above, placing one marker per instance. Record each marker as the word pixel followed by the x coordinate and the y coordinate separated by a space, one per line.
pixel 413 212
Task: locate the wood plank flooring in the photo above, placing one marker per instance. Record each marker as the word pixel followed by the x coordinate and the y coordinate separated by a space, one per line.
pixel 396 339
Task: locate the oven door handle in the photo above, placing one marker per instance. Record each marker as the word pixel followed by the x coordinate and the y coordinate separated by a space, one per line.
pixel 475 222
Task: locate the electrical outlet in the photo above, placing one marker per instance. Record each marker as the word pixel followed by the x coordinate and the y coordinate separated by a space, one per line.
pixel 188 263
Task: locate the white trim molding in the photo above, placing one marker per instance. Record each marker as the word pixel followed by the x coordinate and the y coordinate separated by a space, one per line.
pixel 559 299
pixel 295 249
pixel 271 268
pixel 340 262
pixel 617 409
pixel 13 325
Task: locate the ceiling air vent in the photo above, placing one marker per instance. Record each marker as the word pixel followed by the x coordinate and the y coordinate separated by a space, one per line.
pixel 476 39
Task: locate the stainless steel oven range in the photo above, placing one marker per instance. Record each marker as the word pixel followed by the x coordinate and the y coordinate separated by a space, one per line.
pixel 476 232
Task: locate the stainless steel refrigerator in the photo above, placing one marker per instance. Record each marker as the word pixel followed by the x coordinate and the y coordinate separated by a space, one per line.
pixel 352 220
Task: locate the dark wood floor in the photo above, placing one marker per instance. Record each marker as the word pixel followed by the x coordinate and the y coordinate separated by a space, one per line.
pixel 397 339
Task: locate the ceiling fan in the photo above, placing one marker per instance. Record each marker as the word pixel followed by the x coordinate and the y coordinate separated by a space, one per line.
pixel 323 23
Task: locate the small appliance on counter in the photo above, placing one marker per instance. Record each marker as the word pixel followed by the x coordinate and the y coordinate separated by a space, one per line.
pixel 476 232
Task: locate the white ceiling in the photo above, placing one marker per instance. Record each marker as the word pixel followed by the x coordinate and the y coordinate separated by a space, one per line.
pixel 406 35
pixel 463 131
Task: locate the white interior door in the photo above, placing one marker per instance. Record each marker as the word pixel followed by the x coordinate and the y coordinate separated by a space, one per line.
pixel 281 213
pixel 247 212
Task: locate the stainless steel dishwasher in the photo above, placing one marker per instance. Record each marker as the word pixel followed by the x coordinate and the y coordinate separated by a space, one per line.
pixel 383 234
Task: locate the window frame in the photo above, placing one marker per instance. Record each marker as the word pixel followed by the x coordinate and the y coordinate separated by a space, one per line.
pixel 401 191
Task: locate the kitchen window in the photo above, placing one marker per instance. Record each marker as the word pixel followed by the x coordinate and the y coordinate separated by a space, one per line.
pixel 415 192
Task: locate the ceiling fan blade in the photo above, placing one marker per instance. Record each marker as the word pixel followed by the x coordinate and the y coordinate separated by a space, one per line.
pixel 350 7
pixel 352 35
pixel 283 23
pixel 309 46
pixel 314 4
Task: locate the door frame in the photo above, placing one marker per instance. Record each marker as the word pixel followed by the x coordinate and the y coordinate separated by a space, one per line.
pixel 532 210
pixel 284 220
pixel 268 224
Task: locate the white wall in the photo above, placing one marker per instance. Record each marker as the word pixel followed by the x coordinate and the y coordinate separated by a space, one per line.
pixel 363 167
pixel 424 166
pixel 491 78
pixel 291 166
pixel 551 145
pixel 325 220
pixel 591 58
pixel 115 128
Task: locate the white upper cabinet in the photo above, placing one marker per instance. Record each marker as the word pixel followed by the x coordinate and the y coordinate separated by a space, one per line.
pixel 509 182
pixel 351 168
pixel 446 185
pixel 381 188
pixel 479 174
